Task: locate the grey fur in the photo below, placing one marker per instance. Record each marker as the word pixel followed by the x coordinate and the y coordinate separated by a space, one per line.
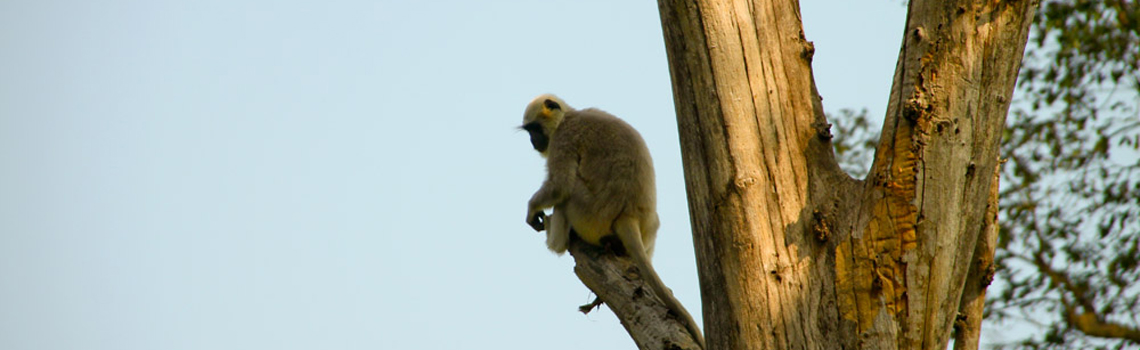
pixel 600 182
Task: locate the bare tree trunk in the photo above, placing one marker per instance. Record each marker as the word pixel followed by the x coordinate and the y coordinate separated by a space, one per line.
pixel 791 252
pixel 756 155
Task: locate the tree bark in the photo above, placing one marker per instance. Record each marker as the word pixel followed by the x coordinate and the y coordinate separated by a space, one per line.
pixel 968 326
pixel 617 282
pixel 793 253
pixel 933 170
pixel 750 123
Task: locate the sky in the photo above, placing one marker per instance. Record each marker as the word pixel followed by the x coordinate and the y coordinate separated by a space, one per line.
pixel 336 175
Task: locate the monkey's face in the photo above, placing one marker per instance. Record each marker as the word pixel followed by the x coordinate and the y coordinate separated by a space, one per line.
pixel 538 137
pixel 541 118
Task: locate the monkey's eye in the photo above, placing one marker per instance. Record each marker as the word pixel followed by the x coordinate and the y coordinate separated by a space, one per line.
pixel 532 127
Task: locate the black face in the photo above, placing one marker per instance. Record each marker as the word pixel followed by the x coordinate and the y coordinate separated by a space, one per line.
pixel 538 138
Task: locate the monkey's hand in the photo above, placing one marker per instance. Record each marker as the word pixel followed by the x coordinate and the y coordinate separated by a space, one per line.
pixel 536 218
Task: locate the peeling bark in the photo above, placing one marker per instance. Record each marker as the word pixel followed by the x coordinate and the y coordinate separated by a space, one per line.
pixel 934 165
pixel 791 252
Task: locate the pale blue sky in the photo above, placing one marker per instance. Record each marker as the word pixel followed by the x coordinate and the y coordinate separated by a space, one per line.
pixel 330 175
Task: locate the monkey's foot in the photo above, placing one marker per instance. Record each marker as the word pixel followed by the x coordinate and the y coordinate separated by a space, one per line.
pixel 613 244
pixel 585 309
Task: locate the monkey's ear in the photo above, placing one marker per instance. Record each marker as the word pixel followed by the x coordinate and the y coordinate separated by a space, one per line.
pixel 551 104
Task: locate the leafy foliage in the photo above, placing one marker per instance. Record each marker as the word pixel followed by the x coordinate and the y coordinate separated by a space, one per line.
pixel 1069 249
pixel 855 141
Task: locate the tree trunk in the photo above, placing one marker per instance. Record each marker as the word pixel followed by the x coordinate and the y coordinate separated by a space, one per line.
pixel 793 253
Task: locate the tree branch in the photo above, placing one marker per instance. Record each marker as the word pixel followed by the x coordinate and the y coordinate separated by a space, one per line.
pixel 617 282
pixel 968 326
pixel 1092 324
pixel 1087 322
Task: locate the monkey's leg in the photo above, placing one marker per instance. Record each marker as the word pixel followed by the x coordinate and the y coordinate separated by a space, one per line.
pixel 558 230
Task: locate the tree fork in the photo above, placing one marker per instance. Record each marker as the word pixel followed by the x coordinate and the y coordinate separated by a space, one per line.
pixel 791 252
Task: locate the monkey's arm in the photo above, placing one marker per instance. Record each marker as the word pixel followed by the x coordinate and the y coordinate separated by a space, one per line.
pixel 546 197
pixel 561 180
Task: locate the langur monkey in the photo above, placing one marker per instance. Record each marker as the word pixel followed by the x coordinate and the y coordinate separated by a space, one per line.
pixel 600 182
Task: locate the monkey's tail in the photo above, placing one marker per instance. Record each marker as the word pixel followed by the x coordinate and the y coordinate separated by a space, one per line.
pixel 629 232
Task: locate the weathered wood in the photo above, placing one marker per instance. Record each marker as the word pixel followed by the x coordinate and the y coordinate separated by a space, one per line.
pixel 749 118
pixel 617 282
pixel 931 178
pixel 968 326
pixel 791 252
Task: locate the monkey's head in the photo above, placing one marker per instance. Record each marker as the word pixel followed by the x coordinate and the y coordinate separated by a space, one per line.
pixel 541 118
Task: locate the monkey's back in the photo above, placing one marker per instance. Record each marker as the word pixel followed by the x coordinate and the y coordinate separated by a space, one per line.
pixel 614 174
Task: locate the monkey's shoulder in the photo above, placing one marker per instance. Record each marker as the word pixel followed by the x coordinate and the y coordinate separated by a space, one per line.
pixel 595 125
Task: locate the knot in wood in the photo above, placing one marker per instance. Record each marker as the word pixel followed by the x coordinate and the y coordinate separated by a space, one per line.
pixel 632 273
pixel 915 108
pixel 823 130
pixel 819 227
pixel 919 34
pixel 744 182
pixel 961 322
